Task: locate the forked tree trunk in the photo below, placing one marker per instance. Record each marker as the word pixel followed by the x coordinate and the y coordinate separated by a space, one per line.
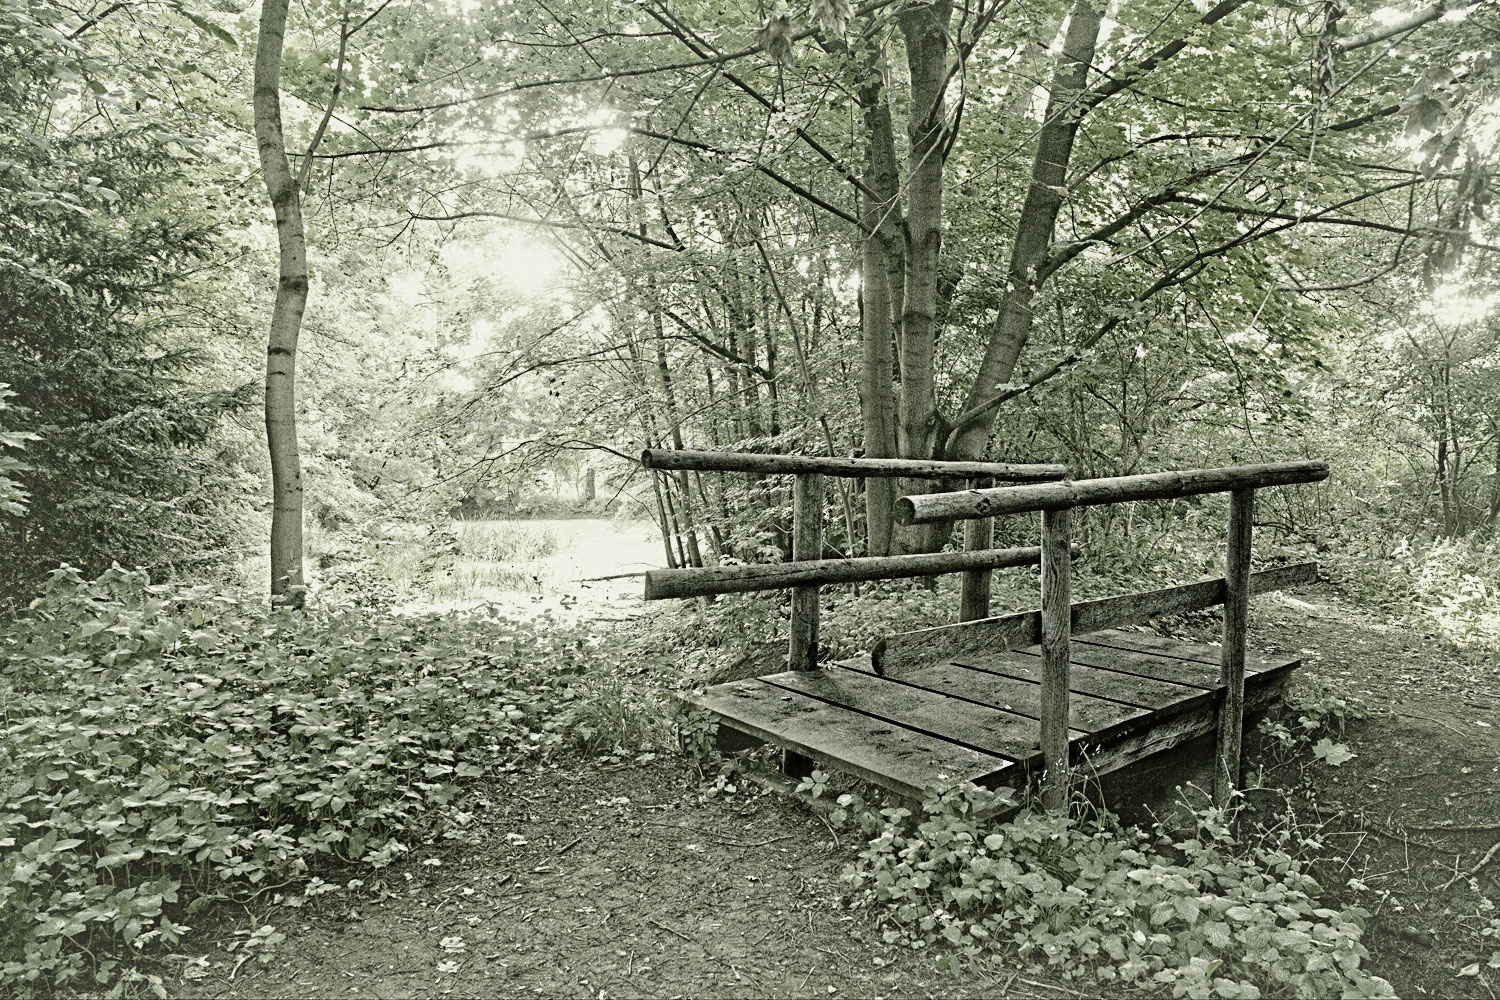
pixel 288 587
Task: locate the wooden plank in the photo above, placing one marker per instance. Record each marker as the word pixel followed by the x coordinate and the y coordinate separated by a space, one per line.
pixel 664 584
pixel 978 727
pixel 907 650
pixel 807 543
pixel 1177 649
pixel 900 759
pixel 974 589
pixel 1143 690
pixel 1103 756
pixel 925 508
pixel 1140 663
pixel 1020 697
pixel 855 468
pixel 1227 776
pixel 1057 618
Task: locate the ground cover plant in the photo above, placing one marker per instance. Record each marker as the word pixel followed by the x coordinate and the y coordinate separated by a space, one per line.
pixel 1200 914
pixel 165 747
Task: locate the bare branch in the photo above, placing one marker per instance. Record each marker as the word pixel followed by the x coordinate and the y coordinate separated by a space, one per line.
pixel 549 223
pixel 1405 24
pixel 333 100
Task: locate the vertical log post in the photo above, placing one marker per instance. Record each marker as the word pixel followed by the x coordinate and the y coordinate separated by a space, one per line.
pixel 1232 657
pixel 979 533
pixel 807 543
pixel 1057 616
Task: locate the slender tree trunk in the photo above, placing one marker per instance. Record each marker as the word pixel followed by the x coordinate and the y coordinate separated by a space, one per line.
pixel 919 430
pixel 287 583
pixel 1034 231
pixel 882 218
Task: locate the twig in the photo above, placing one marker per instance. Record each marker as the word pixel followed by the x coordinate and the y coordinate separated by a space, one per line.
pixel 570 845
pixel 1488 857
pixel 1486 828
pixel 1440 722
pixel 758 843
pixel 837 843
pixel 1403 838
pixel 670 930
pixel 1050 986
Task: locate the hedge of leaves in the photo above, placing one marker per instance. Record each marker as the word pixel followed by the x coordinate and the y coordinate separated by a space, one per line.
pixel 161 747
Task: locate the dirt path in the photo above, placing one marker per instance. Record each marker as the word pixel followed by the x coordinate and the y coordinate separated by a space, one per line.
pixel 582 881
pixel 627 880
pixel 1419 804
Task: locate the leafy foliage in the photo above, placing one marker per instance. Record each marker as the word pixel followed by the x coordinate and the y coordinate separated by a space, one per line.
pixel 121 470
pixel 13 495
pixel 1201 914
pixel 162 748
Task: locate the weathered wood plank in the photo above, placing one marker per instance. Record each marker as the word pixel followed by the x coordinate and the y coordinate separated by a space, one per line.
pixel 807 543
pixel 1020 697
pixel 900 759
pixel 1227 776
pixel 855 468
pixel 978 727
pixel 1166 731
pixel 907 650
pixel 1141 663
pixel 663 584
pixel 925 508
pixel 1178 649
pixel 1093 678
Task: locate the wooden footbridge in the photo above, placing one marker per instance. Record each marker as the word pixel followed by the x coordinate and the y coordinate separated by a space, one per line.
pixel 1000 701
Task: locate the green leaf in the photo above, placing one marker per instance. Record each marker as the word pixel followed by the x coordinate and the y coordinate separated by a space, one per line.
pixel 1332 753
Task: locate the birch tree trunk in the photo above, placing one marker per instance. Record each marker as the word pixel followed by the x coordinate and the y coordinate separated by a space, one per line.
pixel 288 587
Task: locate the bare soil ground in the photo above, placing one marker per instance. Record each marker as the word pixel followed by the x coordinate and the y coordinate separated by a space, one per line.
pixel 590 880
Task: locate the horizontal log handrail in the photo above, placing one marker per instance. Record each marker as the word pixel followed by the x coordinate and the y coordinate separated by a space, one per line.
pixel 848 468
pixel 897 654
pixel 662 584
pixel 967 504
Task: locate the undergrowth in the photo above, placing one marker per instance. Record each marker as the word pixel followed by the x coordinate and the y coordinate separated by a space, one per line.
pixel 1446 587
pixel 1202 915
pixel 1225 909
pixel 163 748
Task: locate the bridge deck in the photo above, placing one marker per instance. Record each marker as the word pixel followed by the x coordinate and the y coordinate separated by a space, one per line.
pixel 975 718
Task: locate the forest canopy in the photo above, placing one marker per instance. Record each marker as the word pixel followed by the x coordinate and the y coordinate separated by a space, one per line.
pixel 332 335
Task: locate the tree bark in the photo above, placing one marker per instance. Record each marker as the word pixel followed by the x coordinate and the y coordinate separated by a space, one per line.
pixel 918 432
pixel 288 587
pixel 880 258
pixel 1034 232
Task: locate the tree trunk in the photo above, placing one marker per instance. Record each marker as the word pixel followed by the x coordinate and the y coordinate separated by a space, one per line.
pixel 1034 232
pixel 288 587
pixel 925 31
pixel 882 253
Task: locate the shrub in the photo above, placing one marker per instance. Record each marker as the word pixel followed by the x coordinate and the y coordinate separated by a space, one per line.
pixel 162 748
pixel 1212 918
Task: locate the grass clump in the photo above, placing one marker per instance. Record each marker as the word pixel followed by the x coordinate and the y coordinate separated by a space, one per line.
pixel 1201 915
pixel 162 748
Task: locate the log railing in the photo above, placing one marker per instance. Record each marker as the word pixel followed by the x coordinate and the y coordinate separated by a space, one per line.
pixel 1055 621
pixel 808 570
